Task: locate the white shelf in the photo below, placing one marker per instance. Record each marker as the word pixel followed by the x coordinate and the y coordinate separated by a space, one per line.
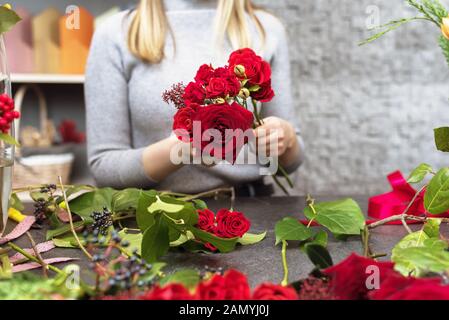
pixel 47 78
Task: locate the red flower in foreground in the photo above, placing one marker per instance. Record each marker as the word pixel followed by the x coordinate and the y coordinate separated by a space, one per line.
pixel 348 278
pixel 268 291
pixel 172 291
pixel 233 285
pixel 223 129
pixel 194 93
pixel 206 220
pixel 265 93
pixel 397 287
pixel 183 123
pixel 231 224
pixel 257 71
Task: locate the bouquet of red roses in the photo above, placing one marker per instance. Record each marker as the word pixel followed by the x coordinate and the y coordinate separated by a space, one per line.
pixel 213 110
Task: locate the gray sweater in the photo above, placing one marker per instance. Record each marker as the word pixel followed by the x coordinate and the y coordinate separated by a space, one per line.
pixel 125 112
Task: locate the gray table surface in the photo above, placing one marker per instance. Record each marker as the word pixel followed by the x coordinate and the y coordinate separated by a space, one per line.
pixel 262 261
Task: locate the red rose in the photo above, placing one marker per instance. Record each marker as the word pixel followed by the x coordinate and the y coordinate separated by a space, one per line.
pixel 268 291
pixel 348 278
pixel 233 285
pixel 233 84
pixel 172 291
pixel 213 289
pixel 397 287
pixel 194 93
pixel 226 120
pixel 265 93
pixel 183 122
pixel 231 224
pixel 217 87
pixel 257 71
pixel 206 220
pixel 204 73
pixel 236 285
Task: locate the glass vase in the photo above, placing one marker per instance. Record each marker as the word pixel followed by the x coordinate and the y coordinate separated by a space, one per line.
pixel 6 150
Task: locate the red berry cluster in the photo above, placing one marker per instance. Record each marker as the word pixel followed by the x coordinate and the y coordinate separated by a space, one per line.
pixel 7 112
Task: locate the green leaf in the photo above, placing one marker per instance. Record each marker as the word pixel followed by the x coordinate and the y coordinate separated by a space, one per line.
pixel 189 278
pixel 134 239
pixel 89 202
pixel 223 245
pixel 165 206
pixel 419 173
pixel 442 138
pixel 183 238
pixel 200 204
pixel 342 217
pixel 249 238
pixel 320 238
pixel 436 198
pixel 444 44
pixel 8 19
pixel 7 138
pixel 74 190
pixel 319 255
pixel 143 217
pixel 291 229
pixel 62 230
pixel 423 260
pixel 15 202
pixel 432 228
pixel 155 241
pixel 125 200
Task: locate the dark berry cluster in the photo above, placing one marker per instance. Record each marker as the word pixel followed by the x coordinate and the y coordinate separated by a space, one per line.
pixel 45 204
pixel 7 113
pixel 116 273
pixel 48 188
pixel 40 211
pixel 102 221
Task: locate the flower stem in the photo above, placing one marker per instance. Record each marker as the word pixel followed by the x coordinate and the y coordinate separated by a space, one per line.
pixel 284 263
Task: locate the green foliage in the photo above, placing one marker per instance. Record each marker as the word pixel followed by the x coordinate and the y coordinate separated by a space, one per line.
pixel 442 138
pixel 419 173
pixel 188 277
pixel 290 229
pixel 342 217
pixel 155 240
pixel 250 238
pixel 436 198
pixel 92 201
pixel 8 19
pixel 444 44
pixel 318 255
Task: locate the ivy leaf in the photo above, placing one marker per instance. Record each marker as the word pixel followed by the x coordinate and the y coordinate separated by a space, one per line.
pixel 89 202
pixel 318 255
pixel 134 240
pixel 125 200
pixel 342 217
pixel 143 217
pixel 419 173
pixel 165 206
pixel 442 138
pixel 223 245
pixel 189 278
pixel 436 198
pixel 249 238
pixel 8 19
pixel 290 229
pixel 155 241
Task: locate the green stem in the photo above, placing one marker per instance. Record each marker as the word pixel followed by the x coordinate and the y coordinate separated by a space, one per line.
pixel 280 185
pixel 285 175
pixel 284 263
pixel 34 259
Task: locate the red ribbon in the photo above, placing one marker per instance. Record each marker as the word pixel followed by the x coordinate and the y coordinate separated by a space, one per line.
pixel 396 201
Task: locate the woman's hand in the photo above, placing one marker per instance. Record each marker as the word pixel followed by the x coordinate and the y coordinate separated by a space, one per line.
pixel 276 135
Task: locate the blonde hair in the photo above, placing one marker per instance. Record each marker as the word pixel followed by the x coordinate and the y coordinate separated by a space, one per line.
pixel 149 27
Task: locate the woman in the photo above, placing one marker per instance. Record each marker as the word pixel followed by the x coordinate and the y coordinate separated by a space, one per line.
pixel 136 55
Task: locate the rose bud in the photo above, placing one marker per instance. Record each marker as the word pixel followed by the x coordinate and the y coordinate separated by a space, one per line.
pixel 244 93
pixel 239 71
pixel 219 101
pixel 445 27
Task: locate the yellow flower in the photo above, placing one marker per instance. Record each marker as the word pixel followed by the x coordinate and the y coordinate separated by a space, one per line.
pixel 445 27
pixel 15 215
pixel 7 6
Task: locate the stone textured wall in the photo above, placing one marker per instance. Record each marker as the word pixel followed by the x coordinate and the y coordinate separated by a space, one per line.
pixel 365 111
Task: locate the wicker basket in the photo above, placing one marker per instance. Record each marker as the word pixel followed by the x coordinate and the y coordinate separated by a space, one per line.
pixel 43 168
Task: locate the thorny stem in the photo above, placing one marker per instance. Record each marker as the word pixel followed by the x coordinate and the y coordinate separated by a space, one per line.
pixel 72 228
pixel 38 255
pixel 212 193
pixel 284 263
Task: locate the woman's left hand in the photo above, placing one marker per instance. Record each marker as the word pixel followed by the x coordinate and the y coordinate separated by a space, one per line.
pixel 277 135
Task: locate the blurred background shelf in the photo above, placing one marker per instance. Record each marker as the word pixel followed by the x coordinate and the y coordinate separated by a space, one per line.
pixel 47 78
